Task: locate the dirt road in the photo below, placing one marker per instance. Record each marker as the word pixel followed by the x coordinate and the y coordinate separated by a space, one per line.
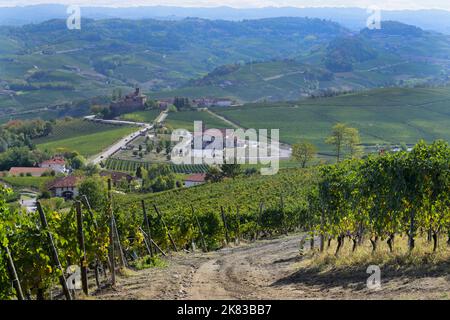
pixel 267 269
pixel 244 272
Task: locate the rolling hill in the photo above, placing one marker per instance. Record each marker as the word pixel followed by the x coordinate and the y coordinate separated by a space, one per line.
pixel 398 55
pixel 46 68
pixel 46 64
pixel 388 116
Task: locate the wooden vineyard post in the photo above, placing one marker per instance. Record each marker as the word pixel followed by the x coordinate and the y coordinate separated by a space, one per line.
pixel 153 242
pixel 147 225
pixel 283 216
pixel 165 226
pixel 86 203
pixel 146 240
pixel 227 237
pixel 259 223
pixel 205 247
pixel 111 236
pixel 238 225
pixel 83 261
pixel 88 207
pixel 116 233
pixel 322 236
pixel 13 274
pixel 54 252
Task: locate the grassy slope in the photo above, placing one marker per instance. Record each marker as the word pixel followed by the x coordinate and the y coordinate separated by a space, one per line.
pixel 185 120
pixel 85 137
pixel 382 116
pixel 27 182
pixel 141 116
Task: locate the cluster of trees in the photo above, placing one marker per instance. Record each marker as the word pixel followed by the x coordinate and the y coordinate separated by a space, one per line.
pixel 21 157
pixel 345 141
pixel 19 133
pixel 381 197
pixel 156 146
pixel 30 128
pixel 226 170
pixel 159 177
pixel 16 146
pixel 181 103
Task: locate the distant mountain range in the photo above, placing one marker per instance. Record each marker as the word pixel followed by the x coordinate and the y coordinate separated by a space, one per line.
pixel 45 65
pixel 352 18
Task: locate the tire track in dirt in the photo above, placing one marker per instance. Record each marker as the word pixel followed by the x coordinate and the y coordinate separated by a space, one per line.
pixel 248 272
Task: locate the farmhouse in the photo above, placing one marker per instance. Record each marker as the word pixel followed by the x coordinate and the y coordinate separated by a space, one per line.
pixel 194 180
pixel 26 171
pixel 65 187
pixel 116 177
pixel 56 164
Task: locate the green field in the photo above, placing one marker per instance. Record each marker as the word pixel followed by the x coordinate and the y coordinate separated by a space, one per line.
pixel 185 120
pixel 88 138
pixel 27 182
pixel 141 116
pixel 383 116
pixel 131 166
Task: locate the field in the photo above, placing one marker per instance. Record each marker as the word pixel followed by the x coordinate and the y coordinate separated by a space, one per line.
pixel 131 166
pixel 141 116
pixel 26 182
pixel 383 116
pixel 86 137
pixel 185 120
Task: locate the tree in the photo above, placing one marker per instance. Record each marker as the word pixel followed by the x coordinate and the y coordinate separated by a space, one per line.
pixel 337 139
pixel 159 178
pixel 77 162
pixel 91 169
pixel 94 188
pixel 231 170
pixel 21 157
pixel 304 152
pixel 151 104
pixel 353 143
pixel 139 172
pixel 343 136
pixel 168 147
pixel 213 174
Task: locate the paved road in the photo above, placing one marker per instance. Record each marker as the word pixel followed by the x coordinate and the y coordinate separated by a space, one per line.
pixel 28 201
pixel 143 128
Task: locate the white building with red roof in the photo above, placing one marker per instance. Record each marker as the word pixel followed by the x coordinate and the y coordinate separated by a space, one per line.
pixel 56 164
pixel 195 179
pixel 65 187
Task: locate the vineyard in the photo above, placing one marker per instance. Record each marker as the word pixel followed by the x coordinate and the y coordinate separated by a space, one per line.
pixel 375 199
pixel 131 166
pixel 384 197
pixel 86 137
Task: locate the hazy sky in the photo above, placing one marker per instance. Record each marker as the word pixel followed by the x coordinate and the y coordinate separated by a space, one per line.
pixel 383 4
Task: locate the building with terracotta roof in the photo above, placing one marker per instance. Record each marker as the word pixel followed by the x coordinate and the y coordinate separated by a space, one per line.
pixel 56 164
pixel 195 179
pixel 116 177
pixel 25 171
pixel 65 187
